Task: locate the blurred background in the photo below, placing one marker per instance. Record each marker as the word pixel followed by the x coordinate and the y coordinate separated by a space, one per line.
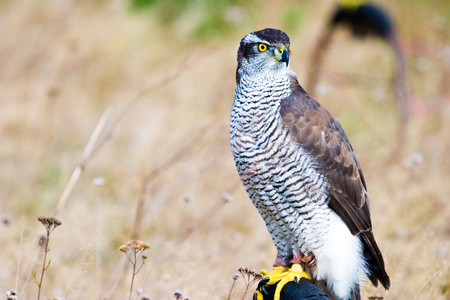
pixel 157 78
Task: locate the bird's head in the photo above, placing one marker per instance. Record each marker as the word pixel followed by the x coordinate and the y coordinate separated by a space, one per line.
pixel 264 52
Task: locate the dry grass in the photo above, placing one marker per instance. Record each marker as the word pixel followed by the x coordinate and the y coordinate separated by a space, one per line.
pixel 64 62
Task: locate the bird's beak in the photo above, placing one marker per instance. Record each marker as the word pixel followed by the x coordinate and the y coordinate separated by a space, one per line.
pixel 283 54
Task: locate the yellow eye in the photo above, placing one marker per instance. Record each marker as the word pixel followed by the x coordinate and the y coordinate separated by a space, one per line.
pixel 262 47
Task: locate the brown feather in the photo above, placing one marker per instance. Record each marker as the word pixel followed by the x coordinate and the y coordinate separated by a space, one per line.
pixel 318 132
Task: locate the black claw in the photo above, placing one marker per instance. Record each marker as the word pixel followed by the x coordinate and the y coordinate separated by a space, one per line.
pixel 261 285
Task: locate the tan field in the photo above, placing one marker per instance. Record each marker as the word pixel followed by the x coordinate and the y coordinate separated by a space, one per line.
pixel 158 85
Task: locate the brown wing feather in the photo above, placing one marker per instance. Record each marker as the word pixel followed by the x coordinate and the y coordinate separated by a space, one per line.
pixel 318 132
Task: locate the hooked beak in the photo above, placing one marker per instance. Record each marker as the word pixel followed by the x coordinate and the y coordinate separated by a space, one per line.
pixel 282 55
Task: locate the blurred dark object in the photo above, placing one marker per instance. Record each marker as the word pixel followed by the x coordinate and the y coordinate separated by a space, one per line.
pixel 364 19
pixel 295 291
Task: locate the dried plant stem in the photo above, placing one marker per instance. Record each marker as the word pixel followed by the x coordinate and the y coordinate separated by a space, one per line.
pixel 88 151
pixel 50 225
pixel 132 281
pixel 133 250
pixel 164 81
pixel 315 66
pixel 231 289
pixel 133 262
pixel 402 90
pixel 182 67
pixel 44 265
pixel 250 277
pixel 95 144
pixel 235 277
pixel 143 196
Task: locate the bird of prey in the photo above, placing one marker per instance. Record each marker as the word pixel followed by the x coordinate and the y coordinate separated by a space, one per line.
pixel 364 19
pixel 300 171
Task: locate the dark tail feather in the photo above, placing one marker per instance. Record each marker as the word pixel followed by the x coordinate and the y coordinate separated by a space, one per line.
pixel 374 260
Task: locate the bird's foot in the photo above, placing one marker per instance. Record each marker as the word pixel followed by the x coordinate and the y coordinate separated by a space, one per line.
pixel 281 276
pixel 309 261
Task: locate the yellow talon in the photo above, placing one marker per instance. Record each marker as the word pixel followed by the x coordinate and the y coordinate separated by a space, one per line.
pixel 283 275
pixel 276 271
pixel 295 273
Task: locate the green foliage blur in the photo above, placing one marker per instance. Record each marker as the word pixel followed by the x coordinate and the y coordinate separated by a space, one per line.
pixel 202 19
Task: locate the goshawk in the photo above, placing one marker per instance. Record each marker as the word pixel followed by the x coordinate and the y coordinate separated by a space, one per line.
pixel 301 173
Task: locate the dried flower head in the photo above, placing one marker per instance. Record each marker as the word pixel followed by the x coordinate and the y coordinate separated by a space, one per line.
pixel 50 223
pixel 134 245
pixel 235 278
pixel 133 251
pixel 250 276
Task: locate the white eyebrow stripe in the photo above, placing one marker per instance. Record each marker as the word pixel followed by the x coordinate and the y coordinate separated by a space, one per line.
pixel 251 38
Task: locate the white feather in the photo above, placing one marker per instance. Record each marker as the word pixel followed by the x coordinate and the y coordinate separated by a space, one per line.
pixel 252 38
pixel 340 263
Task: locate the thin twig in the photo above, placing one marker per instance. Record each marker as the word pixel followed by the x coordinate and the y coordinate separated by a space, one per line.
pixel 132 278
pixel 96 144
pixel 183 66
pixel 43 265
pixel 86 154
pixel 235 277
pixel 131 251
pixel 250 277
pixel 180 69
pixel 171 161
pixel 50 224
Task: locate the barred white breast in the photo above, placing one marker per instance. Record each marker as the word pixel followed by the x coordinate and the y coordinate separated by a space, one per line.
pixel 300 172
